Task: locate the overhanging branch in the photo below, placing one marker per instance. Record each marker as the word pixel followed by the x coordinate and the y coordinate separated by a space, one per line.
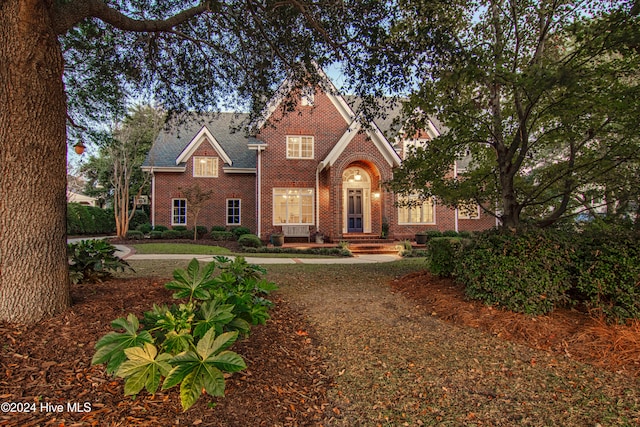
pixel 67 15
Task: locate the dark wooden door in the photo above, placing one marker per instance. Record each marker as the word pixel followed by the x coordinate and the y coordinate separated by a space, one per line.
pixel 354 211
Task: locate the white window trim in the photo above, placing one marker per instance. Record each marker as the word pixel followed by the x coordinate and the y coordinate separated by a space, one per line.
pixel 433 201
pixel 465 216
pixel 173 216
pixel 239 212
pixel 413 143
pixel 313 147
pixel 216 166
pixel 313 207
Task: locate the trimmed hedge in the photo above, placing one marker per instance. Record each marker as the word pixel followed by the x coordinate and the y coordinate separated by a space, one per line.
pixel 82 220
pixel 250 241
pixel 442 255
pixel 524 271
pixel 607 271
pixel 221 235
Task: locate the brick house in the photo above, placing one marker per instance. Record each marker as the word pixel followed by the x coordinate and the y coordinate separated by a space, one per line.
pixel 314 169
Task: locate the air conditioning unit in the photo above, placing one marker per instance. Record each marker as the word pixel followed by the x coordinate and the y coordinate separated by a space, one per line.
pixel 142 200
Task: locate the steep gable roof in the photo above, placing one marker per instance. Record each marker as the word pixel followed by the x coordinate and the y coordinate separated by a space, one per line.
pixel 179 140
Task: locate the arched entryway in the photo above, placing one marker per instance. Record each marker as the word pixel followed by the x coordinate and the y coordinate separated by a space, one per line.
pixel 356 195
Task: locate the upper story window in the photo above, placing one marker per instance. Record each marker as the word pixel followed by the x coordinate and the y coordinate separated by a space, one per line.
pixel 469 211
pixel 307 96
pixel 412 144
pixel 299 147
pixel 204 166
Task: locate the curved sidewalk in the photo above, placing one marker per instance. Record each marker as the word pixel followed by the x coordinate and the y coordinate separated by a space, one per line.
pixel 125 252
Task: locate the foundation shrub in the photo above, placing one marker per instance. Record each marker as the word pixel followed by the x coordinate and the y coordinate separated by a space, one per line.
pixel 160 228
pixel 250 241
pixel 139 217
pixel 442 255
pixel 240 231
pixel 607 271
pixel 135 235
pixel 527 271
pixel 221 235
pixel 218 228
pixel 171 234
pixel 144 228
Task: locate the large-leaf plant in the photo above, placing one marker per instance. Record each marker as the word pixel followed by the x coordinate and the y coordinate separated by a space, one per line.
pixel 188 343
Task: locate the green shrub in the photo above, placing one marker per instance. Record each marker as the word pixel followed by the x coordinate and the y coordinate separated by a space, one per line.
pixel 139 217
pixel 179 228
pixel 89 220
pixel 218 228
pixel 171 234
pixel 432 234
pixel 186 234
pixel 155 234
pixel 250 240
pixel 240 231
pixel 607 271
pixel 202 231
pixel 160 228
pixel 93 260
pixel 144 228
pixel 465 234
pixel 188 343
pixel 135 235
pixel 450 233
pixel 442 255
pixel 526 271
pixel 221 235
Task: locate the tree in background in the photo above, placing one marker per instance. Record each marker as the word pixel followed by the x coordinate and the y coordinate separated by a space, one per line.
pixel 196 199
pixel 76 62
pixel 114 174
pixel 543 95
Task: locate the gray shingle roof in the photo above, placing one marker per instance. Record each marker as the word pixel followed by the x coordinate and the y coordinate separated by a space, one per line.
pixel 225 127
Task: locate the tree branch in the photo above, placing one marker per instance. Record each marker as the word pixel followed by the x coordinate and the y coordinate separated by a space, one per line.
pixel 67 15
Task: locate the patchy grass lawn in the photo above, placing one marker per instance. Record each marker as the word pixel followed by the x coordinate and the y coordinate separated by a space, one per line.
pixel 179 248
pixel 395 362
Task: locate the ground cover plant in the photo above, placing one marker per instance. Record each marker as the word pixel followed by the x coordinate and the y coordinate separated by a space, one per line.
pixel 187 344
pixel 346 345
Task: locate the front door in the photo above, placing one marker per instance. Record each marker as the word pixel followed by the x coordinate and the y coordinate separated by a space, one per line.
pixel 354 211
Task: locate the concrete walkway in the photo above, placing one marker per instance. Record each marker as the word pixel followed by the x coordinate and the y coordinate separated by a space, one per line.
pixel 125 252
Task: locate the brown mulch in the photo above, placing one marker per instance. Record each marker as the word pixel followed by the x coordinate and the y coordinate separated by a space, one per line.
pixel 286 383
pixel 566 331
pixel 50 363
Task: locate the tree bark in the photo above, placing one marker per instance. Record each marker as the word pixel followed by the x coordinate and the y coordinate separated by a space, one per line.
pixel 34 280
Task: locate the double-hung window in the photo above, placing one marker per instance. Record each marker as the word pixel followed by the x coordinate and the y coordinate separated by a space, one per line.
pixel 233 211
pixel 469 211
pixel 299 147
pixel 416 210
pixel 205 167
pixel 179 212
pixel 292 206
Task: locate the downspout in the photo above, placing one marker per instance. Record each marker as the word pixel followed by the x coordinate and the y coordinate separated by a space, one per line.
pixel 455 176
pixel 318 169
pixel 153 199
pixel 259 192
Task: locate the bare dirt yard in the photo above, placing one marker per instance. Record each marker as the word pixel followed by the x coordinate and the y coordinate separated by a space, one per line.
pixel 347 345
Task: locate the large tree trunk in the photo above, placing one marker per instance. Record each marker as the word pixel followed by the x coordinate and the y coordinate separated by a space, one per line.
pixel 33 263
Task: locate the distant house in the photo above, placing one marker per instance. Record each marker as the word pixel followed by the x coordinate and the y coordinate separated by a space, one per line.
pixel 75 194
pixel 314 169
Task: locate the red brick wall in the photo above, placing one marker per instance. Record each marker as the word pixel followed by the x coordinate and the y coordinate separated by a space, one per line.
pixel 225 186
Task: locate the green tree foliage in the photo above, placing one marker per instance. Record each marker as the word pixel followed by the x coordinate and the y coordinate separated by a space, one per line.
pixel 114 174
pixel 543 95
